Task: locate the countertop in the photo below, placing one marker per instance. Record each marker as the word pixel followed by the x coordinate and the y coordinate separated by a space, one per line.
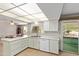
pixel 50 38
pixel 25 36
pixel 13 39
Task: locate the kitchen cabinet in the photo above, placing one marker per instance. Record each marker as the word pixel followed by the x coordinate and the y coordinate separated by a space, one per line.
pixel 44 45
pixel 13 47
pixel 54 46
pixel 30 41
pixel 36 43
pixel 51 25
pixel 46 25
pixel 40 43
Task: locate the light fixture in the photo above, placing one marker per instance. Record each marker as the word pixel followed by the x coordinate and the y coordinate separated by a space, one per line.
pixel 11 23
pixel 36 23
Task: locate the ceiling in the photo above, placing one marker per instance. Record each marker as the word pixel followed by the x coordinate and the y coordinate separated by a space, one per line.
pixel 23 11
pixel 70 8
pixel 32 12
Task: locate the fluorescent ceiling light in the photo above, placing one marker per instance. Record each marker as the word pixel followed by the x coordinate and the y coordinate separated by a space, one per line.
pixel 23 19
pixel 18 12
pixel 30 17
pixel 43 19
pixel 1 10
pixel 31 8
pixel 6 6
pixel 40 15
pixel 9 14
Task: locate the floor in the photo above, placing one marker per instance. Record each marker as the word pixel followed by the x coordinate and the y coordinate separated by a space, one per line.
pixel 34 52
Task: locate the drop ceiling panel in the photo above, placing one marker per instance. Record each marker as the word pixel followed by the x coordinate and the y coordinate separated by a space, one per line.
pixel 6 6
pixel 44 19
pixel 23 19
pixel 1 10
pixel 30 17
pixel 19 22
pixel 9 14
pixel 31 8
pixel 18 12
pixel 40 15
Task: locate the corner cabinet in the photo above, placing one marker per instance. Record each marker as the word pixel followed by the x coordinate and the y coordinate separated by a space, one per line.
pixel 13 47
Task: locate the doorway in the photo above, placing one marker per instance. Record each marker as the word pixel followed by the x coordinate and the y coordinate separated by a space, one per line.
pixel 70 35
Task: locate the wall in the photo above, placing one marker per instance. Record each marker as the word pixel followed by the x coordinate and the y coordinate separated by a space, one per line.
pixel 7 29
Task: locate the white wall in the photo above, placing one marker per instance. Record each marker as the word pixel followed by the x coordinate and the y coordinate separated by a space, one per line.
pixel 7 29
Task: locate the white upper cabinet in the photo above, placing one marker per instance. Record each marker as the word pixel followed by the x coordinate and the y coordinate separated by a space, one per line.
pixel 51 25
pixel 46 26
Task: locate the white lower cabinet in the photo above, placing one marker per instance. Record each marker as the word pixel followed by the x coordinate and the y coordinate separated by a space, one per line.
pixel 30 42
pixel 14 47
pixel 54 46
pixel 44 45
pixel 36 43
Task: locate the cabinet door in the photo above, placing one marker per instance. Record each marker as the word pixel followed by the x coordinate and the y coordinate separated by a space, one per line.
pixel 44 45
pixel 36 43
pixel 30 42
pixel 46 26
pixel 53 25
pixel 24 43
pixel 54 46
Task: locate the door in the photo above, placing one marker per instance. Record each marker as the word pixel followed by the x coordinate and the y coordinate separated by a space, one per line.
pixel 70 36
pixel 44 45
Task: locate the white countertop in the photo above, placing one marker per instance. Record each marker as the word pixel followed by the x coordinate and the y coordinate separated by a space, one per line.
pixel 25 36
pixel 50 37
pixel 13 39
